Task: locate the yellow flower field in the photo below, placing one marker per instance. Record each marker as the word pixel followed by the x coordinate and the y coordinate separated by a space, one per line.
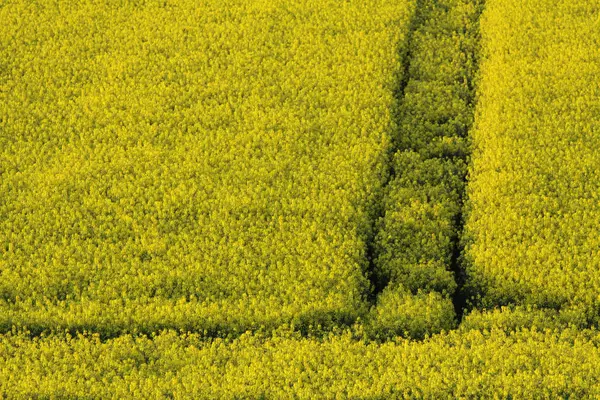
pixel 299 199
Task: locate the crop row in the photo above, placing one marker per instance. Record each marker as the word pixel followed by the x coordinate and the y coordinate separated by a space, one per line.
pixel 534 190
pixel 201 165
pixel 417 237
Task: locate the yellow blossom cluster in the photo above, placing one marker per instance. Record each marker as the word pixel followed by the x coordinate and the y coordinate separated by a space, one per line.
pixel 534 183
pixel 526 364
pixel 201 165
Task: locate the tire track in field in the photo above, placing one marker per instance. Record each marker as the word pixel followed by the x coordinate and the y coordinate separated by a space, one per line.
pixel 416 253
pixel 402 78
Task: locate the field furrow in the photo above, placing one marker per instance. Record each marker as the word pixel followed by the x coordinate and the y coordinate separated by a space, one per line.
pixel 416 245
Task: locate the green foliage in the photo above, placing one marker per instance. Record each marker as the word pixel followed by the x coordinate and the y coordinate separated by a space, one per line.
pixel 204 165
pixel 417 236
pixel 534 204
pixel 527 364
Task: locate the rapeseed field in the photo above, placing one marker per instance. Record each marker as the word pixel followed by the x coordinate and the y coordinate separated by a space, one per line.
pixel 299 199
